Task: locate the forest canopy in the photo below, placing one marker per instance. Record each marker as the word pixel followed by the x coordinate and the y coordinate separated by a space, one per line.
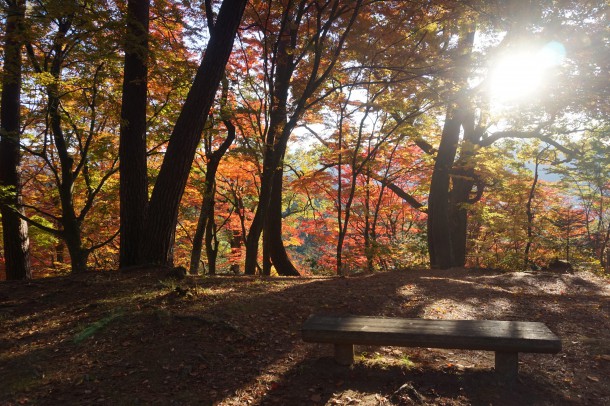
pixel 303 136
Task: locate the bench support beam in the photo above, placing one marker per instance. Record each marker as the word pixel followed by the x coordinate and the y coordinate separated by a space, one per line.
pixel 507 366
pixel 344 354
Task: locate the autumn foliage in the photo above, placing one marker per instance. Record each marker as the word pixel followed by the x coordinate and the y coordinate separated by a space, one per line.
pixel 342 114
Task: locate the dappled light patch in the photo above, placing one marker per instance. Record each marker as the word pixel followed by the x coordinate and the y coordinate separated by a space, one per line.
pixel 449 309
pixel 236 340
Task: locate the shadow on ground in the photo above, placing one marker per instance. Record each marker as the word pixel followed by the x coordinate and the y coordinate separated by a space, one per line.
pixel 235 340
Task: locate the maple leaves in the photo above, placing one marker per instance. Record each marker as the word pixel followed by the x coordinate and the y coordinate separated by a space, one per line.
pixel 339 108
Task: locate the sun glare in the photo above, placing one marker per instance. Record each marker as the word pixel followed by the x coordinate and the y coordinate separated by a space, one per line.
pixel 521 74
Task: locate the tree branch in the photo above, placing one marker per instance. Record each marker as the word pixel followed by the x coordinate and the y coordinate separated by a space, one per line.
pixel 489 140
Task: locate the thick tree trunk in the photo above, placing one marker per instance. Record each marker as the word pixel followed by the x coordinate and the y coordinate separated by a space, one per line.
pixel 14 229
pixel 277 250
pixel 458 215
pixel 163 207
pixel 440 246
pixel 132 146
pixel 447 216
pixel 464 179
pixel 78 255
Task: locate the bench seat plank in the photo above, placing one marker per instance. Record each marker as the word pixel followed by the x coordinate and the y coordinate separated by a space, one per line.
pixel 491 335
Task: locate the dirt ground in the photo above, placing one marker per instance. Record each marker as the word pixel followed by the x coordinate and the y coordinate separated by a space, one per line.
pixel 112 338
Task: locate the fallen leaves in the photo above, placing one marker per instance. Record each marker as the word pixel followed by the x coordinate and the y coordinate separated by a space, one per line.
pixel 232 345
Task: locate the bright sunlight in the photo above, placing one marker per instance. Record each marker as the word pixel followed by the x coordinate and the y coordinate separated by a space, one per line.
pixel 520 74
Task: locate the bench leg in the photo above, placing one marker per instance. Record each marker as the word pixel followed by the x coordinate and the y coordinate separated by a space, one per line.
pixel 507 366
pixel 344 354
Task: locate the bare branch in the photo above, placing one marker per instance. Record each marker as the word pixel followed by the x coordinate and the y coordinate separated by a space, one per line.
pixel 107 241
pixel 487 141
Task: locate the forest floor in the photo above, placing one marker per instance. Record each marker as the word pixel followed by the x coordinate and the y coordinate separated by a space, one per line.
pixel 113 338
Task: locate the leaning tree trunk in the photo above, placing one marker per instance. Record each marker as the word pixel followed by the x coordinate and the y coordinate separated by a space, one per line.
pixel 132 144
pixel 14 228
pixel 276 141
pixel 162 213
pixel 256 227
pixel 208 197
pixel 202 222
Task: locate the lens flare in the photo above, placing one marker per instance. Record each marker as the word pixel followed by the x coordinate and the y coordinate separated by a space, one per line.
pixel 521 74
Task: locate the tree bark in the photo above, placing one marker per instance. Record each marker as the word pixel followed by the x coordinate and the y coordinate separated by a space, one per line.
pixel 132 145
pixel 211 240
pixel 71 223
pixel 208 197
pixel 236 243
pixel 440 247
pixel 463 181
pixel 277 250
pixel 14 228
pixel 280 126
pixel 276 141
pixel 163 206
pixel 530 214
pixel 447 216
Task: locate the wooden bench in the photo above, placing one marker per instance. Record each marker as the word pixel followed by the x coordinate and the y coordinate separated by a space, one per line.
pixel 506 338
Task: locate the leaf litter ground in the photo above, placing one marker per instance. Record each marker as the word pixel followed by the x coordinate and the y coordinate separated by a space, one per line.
pixel 114 338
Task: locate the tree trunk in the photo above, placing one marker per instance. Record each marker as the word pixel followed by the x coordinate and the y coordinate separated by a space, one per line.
pixel 14 228
pixel 266 270
pixel 447 216
pixel 211 241
pixel 280 126
pixel 276 141
pixel 368 244
pixel 277 250
pixel 132 145
pixel 59 252
pixel 71 225
pixel 78 255
pixel 440 247
pixel 208 197
pixel 458 213
pixel 198 237
pixel 530 216
pixel 236 243
pixel 162 211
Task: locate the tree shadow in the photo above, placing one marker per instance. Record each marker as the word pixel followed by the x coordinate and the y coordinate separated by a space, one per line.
pixel 322 381
pixel 235 334
pixel 196 350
